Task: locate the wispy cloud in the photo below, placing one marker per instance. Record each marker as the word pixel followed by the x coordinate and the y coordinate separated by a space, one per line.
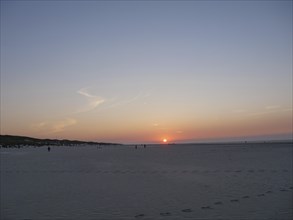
pixel 61 125
pixel 92 100
pixel 54 126
pixel 139 96
pixel 265 110
pixel 272 107
pixel 85 93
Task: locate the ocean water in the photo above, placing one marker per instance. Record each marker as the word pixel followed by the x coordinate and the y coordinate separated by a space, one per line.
pixel 244 181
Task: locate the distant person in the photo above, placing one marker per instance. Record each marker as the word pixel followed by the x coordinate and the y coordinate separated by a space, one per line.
pixel 135 146
pixel 49 149
pixel 144 146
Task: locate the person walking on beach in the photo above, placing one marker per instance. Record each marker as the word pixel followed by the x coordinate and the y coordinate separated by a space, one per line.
pixel 49 149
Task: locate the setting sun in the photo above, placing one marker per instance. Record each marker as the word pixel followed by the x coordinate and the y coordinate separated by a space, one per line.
pixel 165 140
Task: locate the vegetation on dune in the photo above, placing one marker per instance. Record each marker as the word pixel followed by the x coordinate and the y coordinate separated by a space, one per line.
pixel 20 141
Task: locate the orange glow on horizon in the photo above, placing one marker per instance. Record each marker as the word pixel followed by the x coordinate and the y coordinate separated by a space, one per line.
pixel 165 140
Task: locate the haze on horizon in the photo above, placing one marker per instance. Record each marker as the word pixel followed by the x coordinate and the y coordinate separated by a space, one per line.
pixel 146 71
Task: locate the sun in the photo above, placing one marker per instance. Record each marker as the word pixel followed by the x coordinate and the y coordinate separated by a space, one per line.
pixel 165 140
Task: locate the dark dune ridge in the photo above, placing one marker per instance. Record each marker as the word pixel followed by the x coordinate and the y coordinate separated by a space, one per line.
pixel 19 141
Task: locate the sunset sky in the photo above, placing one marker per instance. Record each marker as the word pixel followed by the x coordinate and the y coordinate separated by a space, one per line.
pixel 141 72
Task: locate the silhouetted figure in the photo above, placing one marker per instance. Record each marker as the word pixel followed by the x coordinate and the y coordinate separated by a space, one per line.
pixel 144 146
pixel 135 146
pixel 49 149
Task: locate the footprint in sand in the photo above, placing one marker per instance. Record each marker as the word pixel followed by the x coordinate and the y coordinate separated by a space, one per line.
pixel 245 197
pixel 269 191
pixel 283 190
pixel 259 195
pixel 234 200
pixel 165 213
pixel 218 203
pixel 291 187
pixel 186 210
pixel 206 207
pixel 139 216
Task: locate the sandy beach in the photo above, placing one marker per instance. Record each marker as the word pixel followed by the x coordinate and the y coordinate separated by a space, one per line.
pixel 241 181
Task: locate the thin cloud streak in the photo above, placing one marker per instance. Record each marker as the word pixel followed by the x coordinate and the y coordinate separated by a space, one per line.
pixel 139 96
pixel 54 126
pixel 61 125
pixel 85 93
pixel 270 107
pixel 270 110
pixel 92 101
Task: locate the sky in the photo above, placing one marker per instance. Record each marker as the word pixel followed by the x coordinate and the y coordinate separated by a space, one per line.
pixel 141 72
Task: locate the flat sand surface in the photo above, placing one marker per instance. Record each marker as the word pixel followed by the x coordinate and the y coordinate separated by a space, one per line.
pixel 248 181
